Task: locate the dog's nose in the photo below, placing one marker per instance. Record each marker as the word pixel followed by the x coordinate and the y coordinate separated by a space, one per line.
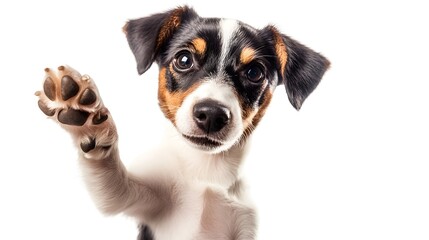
pixel 211 116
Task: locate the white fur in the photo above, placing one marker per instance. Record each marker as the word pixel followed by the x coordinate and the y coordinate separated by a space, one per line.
pixel 196 171
pixel 228 28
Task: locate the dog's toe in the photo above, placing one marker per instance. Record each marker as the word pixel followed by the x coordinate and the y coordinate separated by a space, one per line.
pixel 88 97
pixel 49 88
pixel 87 146
pixel 69 87
pixel 100 117
pixel 45 109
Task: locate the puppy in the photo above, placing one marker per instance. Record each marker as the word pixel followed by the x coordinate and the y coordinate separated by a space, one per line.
pixel 216 79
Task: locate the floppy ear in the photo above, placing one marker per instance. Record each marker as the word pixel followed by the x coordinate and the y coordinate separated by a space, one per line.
pixel 300 68
pixel 147 36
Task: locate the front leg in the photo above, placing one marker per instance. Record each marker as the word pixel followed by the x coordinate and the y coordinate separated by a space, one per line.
pixel 73 101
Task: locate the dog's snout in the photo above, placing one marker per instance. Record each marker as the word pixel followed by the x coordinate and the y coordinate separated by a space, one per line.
pixel 211 116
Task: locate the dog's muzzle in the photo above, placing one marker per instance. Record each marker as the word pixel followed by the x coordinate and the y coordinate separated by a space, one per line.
pixel 211 119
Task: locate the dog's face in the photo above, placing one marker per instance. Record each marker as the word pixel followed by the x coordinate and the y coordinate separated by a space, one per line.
pixel 217 76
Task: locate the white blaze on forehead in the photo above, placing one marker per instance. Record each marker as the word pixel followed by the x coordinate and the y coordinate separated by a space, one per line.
pixel 222 93
pixel 228 28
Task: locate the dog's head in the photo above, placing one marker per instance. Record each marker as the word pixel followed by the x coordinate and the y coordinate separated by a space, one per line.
pixel 217 76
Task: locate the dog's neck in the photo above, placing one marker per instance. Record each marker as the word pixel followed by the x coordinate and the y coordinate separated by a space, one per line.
pixel 222 169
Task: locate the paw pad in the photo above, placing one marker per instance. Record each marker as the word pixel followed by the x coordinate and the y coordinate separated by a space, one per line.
pixel 69 88
pixel 99 118
pixel 86 147
pixel 88 97
pixel 73 117
pixel 49 88
pixel 47 111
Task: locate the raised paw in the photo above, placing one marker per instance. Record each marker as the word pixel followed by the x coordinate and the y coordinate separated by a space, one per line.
pixel 74 102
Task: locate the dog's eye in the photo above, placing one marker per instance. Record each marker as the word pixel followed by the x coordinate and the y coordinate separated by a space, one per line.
pixel 255 73
pixel 183 61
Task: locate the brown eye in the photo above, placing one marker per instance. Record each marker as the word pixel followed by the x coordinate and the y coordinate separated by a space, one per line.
pixel 255 73
pixel 183 61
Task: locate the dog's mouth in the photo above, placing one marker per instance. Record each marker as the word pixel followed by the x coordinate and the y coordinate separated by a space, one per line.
pixel 204 142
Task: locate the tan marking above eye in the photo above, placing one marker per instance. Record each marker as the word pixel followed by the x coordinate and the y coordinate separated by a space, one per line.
pixel 200 45
pixel 247 55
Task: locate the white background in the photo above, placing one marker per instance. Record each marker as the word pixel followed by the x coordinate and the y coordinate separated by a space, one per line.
pixel 352 164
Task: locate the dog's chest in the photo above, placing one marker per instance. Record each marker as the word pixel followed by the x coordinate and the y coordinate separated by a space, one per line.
pixel 195 172
pixel 210 170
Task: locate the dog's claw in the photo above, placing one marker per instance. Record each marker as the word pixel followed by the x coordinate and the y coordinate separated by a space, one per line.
pixel 86 77
pixel 99 118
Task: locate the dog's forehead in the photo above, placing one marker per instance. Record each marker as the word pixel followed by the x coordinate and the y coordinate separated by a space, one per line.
pixel 215 29
pixel 218 37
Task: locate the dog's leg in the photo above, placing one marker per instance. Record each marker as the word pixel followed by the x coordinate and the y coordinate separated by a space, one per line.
pixel 73 101
pixel 226 218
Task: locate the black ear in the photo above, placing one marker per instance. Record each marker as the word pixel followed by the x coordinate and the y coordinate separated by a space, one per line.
pixel 304 70
pixel 146 36
pixel 300 68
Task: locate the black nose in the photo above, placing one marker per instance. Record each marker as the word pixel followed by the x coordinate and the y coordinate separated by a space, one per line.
pixel 211 116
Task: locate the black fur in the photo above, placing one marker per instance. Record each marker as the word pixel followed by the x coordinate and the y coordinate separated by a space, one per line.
pixel 304 70
pixel 172 84
pixel 145 233
pixel 206 64
pixel 247 37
